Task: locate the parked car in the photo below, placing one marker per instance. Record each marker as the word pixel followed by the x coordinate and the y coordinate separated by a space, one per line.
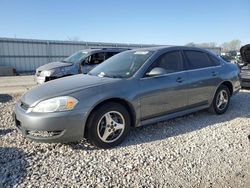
pixel 133 88
pixel 245 66
pixel 80 62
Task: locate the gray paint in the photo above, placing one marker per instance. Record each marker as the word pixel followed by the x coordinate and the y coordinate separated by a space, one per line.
pixel 151 99
pixel 26 55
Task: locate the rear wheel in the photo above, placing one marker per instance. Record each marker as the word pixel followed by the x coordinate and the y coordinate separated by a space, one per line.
pixel 221 100
pixel 108 125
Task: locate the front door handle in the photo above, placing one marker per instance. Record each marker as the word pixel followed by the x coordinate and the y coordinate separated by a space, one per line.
pixel 179 80
pixel 214 73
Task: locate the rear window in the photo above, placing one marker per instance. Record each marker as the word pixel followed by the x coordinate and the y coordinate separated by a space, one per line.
pixel 197 60
pixel 215 61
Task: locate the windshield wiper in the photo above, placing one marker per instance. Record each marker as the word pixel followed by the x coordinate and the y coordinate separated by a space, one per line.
pixel 112 76
pixel 102 74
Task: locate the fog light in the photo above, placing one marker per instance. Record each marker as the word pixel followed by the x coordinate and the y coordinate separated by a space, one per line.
pixel 44 133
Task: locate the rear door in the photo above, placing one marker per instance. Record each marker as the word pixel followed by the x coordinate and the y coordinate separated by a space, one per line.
pixel 166 93
pixel 203 76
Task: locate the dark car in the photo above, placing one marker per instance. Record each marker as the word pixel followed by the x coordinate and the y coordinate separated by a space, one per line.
pixel 245 66
pixel 80 62
pixel 133 88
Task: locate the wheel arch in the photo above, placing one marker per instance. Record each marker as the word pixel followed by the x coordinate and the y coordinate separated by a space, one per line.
pixel 229 86
pixel 226 83
pixel 123 102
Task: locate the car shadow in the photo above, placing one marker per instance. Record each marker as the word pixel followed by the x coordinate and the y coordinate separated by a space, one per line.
pixel 239 107
pixel 5 98
pixel 5 131
pixel 193 122
pixel 13 166
pixel 82 145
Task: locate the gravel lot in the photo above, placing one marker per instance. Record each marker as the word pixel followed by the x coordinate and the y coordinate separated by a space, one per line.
pixel 198 150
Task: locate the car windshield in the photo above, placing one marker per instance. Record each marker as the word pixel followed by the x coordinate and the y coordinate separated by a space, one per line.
pixel 122 65
pixel 75 57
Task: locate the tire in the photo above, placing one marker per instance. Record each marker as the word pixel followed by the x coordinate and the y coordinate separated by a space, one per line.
pixel 108 125
pixel 215 108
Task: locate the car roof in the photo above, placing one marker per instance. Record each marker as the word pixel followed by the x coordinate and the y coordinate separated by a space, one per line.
pixel 163 48
pixel 93 50
pixel 154 48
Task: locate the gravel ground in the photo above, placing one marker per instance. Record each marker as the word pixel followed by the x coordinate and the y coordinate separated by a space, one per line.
pixel 198 150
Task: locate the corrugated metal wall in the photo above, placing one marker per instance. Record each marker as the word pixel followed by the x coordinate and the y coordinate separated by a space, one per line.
pixel 26 55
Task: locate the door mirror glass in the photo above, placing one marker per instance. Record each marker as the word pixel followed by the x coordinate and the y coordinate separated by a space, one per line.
pixel 157 71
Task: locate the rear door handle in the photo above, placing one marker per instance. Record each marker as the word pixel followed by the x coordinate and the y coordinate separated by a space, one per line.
pixel 179 80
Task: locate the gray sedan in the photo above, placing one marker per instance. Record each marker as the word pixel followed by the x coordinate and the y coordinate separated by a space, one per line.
pixel 130 89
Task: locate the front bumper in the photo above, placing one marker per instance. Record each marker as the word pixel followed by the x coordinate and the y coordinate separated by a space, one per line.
pixel 50 127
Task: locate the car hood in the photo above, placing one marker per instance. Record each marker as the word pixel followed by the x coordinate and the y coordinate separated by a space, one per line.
pixel 53 65
pixel 63 86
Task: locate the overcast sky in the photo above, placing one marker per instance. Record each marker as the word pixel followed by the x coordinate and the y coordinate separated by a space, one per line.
pixel 174 22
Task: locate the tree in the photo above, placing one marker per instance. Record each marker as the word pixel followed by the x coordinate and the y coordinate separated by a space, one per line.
pixel 233 45
pixel 191 44
pixel 202 45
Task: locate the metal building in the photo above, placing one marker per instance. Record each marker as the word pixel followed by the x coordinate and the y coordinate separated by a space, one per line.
pixel 25 55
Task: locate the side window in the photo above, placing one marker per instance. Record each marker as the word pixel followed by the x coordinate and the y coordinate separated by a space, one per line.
pixel 170 61
pixel 215 61
pixel 96 58
pixel 197 59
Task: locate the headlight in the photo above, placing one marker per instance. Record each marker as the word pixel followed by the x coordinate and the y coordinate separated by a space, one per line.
pixel 47 72
pixel 56 104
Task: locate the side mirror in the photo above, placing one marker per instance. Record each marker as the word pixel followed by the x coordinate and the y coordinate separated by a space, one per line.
pixel 245 54
pixel 157 71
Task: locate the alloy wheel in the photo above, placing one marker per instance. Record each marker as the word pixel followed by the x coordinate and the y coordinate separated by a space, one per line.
pixel 111 126
pixel 222 100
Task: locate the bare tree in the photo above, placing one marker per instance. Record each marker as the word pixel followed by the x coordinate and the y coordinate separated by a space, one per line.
pixel 233 45
pixel 202 45
pixel 191 44
pixel 212 44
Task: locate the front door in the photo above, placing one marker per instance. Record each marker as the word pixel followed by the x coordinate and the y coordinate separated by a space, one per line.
pixel 166 93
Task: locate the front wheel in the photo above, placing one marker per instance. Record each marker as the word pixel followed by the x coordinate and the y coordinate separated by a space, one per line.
pixel 221 100
pixel 108 125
